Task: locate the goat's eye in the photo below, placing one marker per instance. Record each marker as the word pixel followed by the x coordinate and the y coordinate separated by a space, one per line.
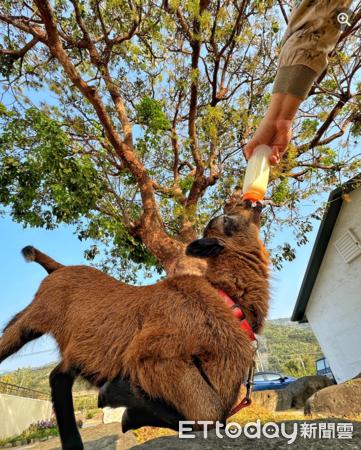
pixel 225 219
pixel 259 207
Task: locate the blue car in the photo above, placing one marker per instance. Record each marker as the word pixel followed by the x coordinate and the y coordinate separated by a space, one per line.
pixel 269 380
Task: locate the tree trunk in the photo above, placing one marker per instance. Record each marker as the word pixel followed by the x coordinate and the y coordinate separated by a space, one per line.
pixel 170 251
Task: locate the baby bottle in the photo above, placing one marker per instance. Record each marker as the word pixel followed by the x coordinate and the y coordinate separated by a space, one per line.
pixel 257 173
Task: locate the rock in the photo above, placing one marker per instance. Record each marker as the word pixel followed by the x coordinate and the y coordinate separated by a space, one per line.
pixel 243 442
pixel 51 437
pixel 338 400
pixel 36 440
pixel 43 439
pixel 113 414
pixel 17 443
pixel 8 445
pixel 80 416
pixel 31 441
pixel 304 387
pixel 24 442
pixel 273 400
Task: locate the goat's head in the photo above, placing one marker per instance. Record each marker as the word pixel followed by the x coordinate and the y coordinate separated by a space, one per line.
pixel 230 232
pixel 237 261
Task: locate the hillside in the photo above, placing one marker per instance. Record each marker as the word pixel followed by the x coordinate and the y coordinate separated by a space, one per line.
pixel 39 379
pixel 286 322
pixel 281 342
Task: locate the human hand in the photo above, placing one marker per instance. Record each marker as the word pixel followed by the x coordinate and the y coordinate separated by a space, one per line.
pixel 275 130
pixel 274 133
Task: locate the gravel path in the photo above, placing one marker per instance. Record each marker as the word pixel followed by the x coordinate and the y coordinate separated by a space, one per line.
pixel 99 437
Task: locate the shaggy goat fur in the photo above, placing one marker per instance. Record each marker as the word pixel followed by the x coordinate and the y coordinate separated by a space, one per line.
pixel 176 340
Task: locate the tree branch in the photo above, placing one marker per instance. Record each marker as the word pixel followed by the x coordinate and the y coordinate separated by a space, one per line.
pixel 316 140
pixel 151 216
pixel 283 11
pixel 36 32
pixel 17 54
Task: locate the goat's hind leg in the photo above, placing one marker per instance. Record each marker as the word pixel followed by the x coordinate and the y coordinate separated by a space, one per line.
pixel 61 383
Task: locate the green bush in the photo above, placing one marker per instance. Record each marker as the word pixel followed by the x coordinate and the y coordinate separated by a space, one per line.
pixel 37 430
pixel 91 413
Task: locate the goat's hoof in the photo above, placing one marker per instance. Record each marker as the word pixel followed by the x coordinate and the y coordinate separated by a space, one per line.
pixel 73 444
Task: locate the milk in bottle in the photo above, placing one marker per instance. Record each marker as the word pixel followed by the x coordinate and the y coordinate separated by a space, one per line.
pixel 257 173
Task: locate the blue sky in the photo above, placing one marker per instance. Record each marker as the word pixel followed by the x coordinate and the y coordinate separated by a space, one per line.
pixel 20 280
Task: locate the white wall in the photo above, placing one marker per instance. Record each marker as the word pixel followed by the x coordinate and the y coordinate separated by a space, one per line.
pixel 17 413
pixel 334 308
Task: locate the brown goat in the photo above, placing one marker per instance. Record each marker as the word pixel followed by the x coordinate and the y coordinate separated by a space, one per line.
pixel 175 341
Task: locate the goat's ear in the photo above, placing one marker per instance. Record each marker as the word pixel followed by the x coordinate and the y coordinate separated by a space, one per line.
pixel 204 248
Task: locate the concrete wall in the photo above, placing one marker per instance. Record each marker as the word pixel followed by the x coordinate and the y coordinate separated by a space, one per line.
pixel 17 413
pixel 334 308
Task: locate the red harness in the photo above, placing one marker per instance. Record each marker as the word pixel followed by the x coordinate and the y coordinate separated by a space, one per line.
pixel 239 314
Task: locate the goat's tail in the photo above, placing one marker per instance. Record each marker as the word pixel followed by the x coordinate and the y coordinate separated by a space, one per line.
pixel 26 325
pixel 18 332
pixel 32 254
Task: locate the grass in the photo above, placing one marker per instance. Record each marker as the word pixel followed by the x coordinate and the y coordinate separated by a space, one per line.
pixel 250 414
pixel 91 413
pixel 147 433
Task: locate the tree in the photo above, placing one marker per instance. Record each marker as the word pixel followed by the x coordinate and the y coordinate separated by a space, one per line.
pixel 305 365
pixel 146 107
pixel 21 377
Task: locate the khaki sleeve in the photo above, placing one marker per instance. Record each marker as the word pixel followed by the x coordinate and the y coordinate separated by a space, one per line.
pixel 312 33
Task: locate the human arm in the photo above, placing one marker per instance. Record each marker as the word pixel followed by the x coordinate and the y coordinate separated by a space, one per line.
pixel 312 33
pixel 275 130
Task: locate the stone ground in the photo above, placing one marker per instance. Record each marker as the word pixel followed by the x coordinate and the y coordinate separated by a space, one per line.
pixel 97 437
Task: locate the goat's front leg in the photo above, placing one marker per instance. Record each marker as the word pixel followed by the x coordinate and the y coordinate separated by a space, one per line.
pixel 180 384
pixel 61 383
pixel 252 297
pixel 141 410
pixel 254 303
